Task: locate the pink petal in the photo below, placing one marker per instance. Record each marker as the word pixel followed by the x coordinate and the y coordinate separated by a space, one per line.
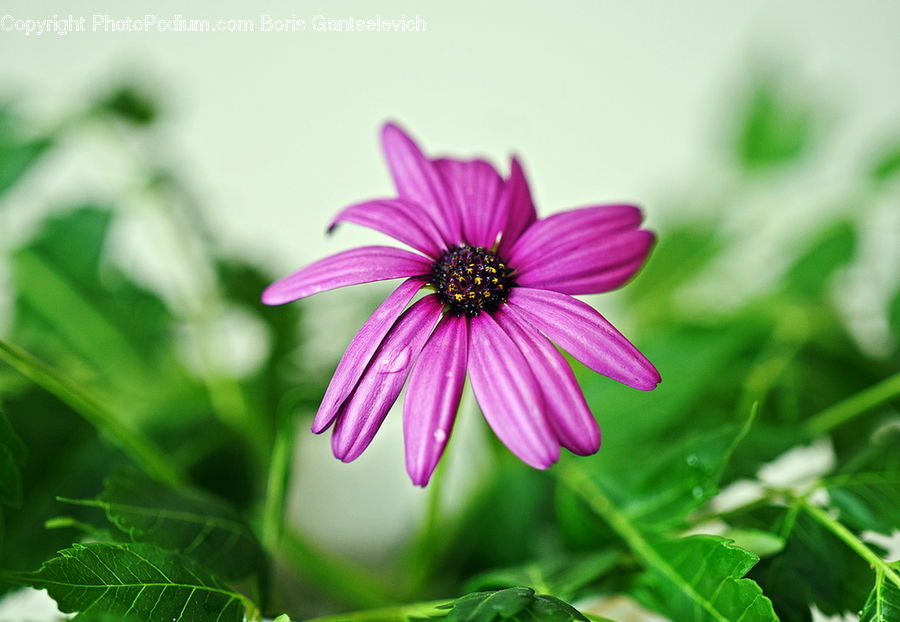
pixel 585 334
pixel 435 387
pixel 478 188
pixel 360 351
pixel 363 412
pixel 571 229
pixel 566 410
pixel 402 220
pixel 517 208
pixel 600 267
pixel 352 267
pixel 508 394
pixel 418 180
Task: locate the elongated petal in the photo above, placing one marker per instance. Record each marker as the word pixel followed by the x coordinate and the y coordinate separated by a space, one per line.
pixel 400 219
pixel 586 335
pixel 417 180
pixel 508 394
pixel 571 229
pixel 478 189
pixel 381 383
pixel 565 408
pixel 358 265
pixel 516 211
pixel 360 351
pixel 435 386
pixel 606 265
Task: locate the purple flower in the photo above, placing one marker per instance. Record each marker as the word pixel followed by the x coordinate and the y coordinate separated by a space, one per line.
pixel 502 284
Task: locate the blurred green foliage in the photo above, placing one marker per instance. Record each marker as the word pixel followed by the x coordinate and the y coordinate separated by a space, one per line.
pixel 776 372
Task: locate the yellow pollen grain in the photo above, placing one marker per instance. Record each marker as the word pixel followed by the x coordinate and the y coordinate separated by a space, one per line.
pixel 459 297
pixel 478 280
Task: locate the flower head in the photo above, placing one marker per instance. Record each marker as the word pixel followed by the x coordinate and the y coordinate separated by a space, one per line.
pixel 502 283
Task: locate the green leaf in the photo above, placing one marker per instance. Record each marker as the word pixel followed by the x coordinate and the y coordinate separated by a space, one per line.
pixel 681 253
pixel 517 604
pixel 863 490
pixel 887 164
pixel 867 501
pixel 130 103
pixel 832 249
pixel 883 604
pixel 18 152
pixel 698 579
pixel 136 579
pixel 64 309
pixel 659 498
pixel 777 128
pixel 564 577
pixel 759 542
pixel 814 568
pixel 97 326
pixel 190 522
pixel 12 455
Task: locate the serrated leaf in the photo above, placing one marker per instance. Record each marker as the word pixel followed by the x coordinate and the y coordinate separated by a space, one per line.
pixel 699 579
pixel 883 604
pixel 190 522
pixel 517 604
pixel 136 579
pixel 565 577
pixel 759 542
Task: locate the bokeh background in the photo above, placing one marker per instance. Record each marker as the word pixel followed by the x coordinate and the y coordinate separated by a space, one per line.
pixel 649 102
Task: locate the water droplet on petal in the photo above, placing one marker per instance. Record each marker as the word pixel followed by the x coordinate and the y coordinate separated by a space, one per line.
pixel 397 363
pixel 439 436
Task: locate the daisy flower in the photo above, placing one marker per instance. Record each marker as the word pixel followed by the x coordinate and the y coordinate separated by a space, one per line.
pixel 501 283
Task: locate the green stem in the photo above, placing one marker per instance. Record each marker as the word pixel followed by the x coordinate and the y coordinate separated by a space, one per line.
pixel 580 483
pixel 423 552
pixel 341 579
pixel 850 539
pixel 855 405
pixel 399 613
pixel 277 483
pixel 139 448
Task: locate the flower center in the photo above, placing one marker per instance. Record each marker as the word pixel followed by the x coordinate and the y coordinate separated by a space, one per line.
pixel 470 279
